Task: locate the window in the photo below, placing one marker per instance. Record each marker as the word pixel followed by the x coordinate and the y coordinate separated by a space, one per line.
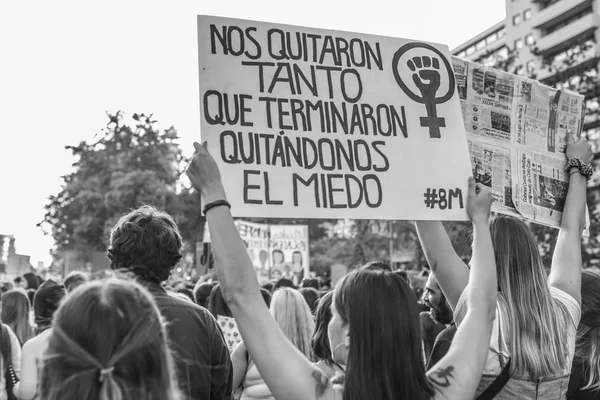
pixel 480 45
pixel 518 44
pixel 529 40
pixel 501 33
pixel 492 38
pixel 530 66
pixel 462 54
pixel 470 50
pixel 516 19
pixel 527 15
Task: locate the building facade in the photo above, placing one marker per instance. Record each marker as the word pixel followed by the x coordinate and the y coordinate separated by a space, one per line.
pixel 554 41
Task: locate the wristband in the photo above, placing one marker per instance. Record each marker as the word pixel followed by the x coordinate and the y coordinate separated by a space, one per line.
pixel 585 169
pixel 216 203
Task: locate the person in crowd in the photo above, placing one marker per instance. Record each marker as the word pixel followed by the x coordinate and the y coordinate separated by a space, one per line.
pixel 297 267
pixel 292 314
pixel 537 315
pixel 31 281
pixel 16 312
pixel 311 283
pixel 441 313
pixel 188 293
pixel 374 332
pixel 201 293
pixel 30 295
pixel 269 286
pixel 283 282
pixel 45 303
pixel 266 295
pixel 147 244
pixel 321 351
pixel 108 342
pixel 585 374
pixel 19 283
pixel 74 280
pixel 312 298
pixel 10 350
pixel 220 310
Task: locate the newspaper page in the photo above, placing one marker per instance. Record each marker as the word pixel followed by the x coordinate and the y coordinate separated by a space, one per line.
pixel 517 130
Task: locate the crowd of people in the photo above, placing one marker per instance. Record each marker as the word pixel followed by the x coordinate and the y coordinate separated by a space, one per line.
pixel 501 327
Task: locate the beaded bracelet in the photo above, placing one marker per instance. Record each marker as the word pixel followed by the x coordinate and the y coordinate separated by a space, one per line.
pixel 585 169
pixel 216 203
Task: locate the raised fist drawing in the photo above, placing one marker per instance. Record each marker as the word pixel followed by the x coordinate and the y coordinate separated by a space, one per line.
pixel 426 75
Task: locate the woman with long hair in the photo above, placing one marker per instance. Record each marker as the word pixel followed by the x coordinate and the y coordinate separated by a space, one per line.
pixel 292 314
pixel 321 351
pixel 16 312
pixel 374 332
pixel 45 303
pixel 533 340
pixel 585 375
pixel 108 342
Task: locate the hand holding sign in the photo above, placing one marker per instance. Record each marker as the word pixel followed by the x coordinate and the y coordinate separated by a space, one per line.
pixel 204 174
pixel 479 202
pixel 580 149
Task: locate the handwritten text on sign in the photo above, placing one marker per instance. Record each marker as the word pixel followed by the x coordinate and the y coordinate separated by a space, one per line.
pixel 322 124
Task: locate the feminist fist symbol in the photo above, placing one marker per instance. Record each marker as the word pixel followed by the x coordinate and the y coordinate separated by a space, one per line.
pixel 426 76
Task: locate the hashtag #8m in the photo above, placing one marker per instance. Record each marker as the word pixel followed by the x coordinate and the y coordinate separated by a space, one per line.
pixel 443 199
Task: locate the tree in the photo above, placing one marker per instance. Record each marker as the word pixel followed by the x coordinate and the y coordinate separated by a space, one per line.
pixel 124 168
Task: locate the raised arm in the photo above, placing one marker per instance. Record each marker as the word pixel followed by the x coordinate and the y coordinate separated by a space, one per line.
pixel 287 373
pixel 565 273
pixel 457 375
pixel 450 271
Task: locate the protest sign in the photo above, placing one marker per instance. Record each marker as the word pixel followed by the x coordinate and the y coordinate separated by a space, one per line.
pixel 310 123
pixel 289 252
pixel 256 239
pixel 517 129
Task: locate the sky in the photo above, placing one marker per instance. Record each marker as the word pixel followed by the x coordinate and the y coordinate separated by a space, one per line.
pixel 65 63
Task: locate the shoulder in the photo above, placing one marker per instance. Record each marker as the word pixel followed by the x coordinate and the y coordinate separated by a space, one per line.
pixel 572 306
pixel 37 343
pixel 447 334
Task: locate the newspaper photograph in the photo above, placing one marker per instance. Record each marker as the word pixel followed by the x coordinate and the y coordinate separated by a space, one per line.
pixel 492 168
pixel 517 132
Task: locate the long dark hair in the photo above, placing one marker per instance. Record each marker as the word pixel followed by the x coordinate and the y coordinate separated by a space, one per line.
pixel 319 341
pixel 15 314
pixel 108 343
pixel 217 304
pixel 385 354
pixel 587 351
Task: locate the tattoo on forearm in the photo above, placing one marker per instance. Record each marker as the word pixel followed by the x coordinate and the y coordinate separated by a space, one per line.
pixel 321 383
pixel 441 376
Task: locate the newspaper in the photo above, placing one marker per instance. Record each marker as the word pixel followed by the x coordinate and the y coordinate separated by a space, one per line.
pixel 517 130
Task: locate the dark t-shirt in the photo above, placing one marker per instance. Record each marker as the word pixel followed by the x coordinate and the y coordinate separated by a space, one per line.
pixel 576 382
pixel 442 345
pixel 204 370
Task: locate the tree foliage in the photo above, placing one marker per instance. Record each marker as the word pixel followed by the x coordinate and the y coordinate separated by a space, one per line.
pixel 124 167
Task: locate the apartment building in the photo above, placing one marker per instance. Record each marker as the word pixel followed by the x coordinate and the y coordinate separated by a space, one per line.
pixel 554 41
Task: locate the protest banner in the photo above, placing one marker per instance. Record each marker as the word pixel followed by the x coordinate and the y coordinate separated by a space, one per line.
pixel 310 123
pixel 517 129
pixel 256 239
pixel 289 252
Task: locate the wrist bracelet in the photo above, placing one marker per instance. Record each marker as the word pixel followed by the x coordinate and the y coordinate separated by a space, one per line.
pixel 585 169
pixel 216 203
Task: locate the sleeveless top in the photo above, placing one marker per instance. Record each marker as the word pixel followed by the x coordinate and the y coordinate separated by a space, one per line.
pixel 255 387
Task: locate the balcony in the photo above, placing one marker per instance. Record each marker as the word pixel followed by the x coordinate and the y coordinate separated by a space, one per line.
pixel 558 11
pixel 581 61
pixel 562 37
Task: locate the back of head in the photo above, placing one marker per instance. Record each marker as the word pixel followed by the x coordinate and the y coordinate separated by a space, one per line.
pixel 217 304
pixel 311 283
pixel 587 351
pixel 384 354
pixel 74 280
pixel 32 280
pixel 266 295
pixel 202 293
pixel 311 296
pixel 537 323
pixel 146 242
pixel 15 313
pixel 292 314
pixel 320 341
pixel 109 343
pixel 188 293
pixel 377 265
pixel 284 283
pixel 45 303
pixel 268 286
